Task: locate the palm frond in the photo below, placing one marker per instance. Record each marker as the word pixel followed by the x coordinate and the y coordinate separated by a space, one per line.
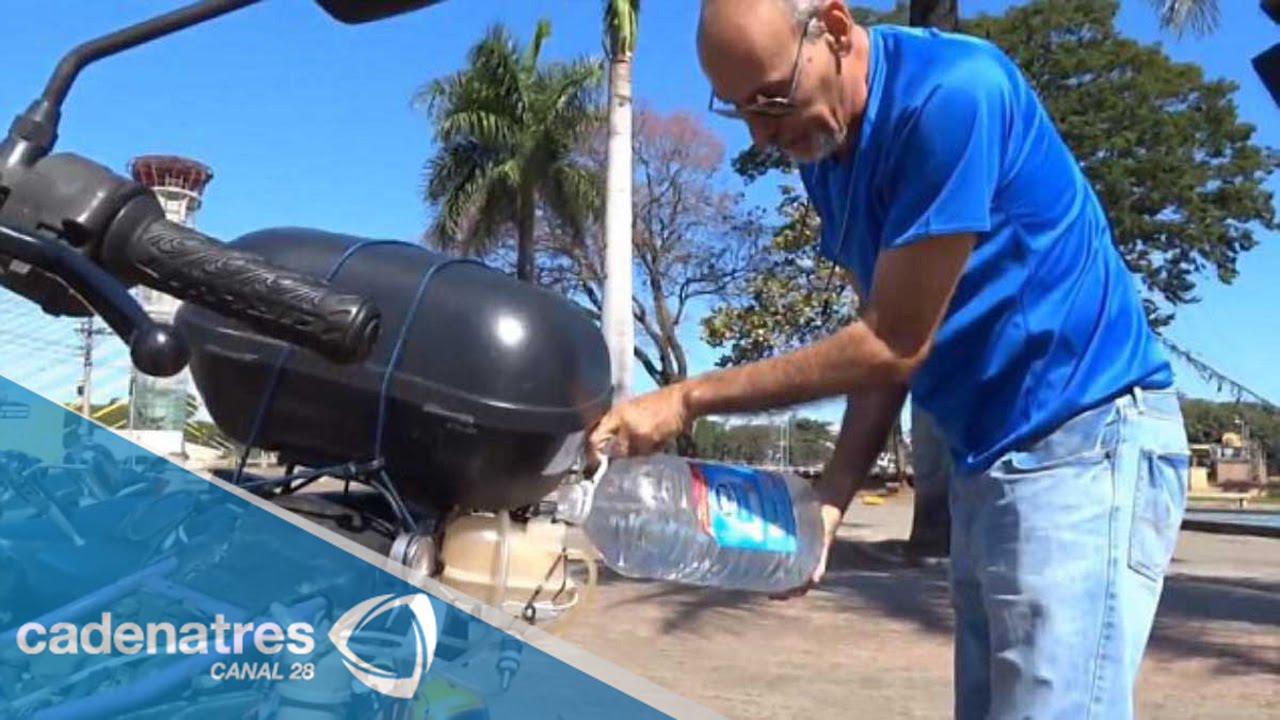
pixel 540 35
pixel 1199 16
pixel 482 127
pixel 573 196
pixel 621 27
pixel 569 98
pixel 450 169
pixel 462 204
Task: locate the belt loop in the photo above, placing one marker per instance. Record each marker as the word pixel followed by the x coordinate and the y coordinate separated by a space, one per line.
pixel 1137 398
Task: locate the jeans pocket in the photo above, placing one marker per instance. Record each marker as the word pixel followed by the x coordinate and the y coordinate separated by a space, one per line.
pixel 1086 440
pixel 1159 499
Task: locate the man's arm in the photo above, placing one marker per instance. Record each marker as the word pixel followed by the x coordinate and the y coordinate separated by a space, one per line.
pixel 868 419
pixel 945 173
pixel 910 294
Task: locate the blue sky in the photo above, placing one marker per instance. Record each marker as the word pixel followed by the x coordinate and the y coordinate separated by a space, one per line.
pixel 307 122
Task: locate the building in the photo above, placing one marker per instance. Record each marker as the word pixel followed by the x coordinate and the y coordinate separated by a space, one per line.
pixel 1235 463
pixel 159 408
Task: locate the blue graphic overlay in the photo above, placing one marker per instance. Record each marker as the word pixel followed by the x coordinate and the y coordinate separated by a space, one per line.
pixel 132 588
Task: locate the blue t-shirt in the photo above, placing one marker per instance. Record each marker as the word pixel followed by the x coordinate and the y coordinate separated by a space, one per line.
pixel 1046 321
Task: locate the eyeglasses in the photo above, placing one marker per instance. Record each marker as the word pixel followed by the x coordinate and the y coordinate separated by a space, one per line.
pixel 764 105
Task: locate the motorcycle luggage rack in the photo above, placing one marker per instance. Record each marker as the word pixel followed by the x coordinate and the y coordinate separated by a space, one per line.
pixel 371 473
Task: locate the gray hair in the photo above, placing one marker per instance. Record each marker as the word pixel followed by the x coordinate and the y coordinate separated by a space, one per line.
pixel 802 12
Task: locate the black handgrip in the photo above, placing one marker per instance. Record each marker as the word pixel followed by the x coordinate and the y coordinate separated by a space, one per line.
pixel 283 304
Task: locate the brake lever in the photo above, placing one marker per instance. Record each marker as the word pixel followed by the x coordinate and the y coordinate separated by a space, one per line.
pixel 154 348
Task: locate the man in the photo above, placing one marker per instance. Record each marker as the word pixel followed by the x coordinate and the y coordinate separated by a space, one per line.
pixel 993 292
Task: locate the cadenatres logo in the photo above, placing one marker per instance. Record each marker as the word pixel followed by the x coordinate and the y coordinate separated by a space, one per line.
pixel 423 642
pixel 232 639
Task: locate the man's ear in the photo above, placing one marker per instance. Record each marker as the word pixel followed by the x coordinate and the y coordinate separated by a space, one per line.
pixel 839 25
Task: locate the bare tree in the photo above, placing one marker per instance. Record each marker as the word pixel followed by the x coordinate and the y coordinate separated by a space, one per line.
pixel 693 239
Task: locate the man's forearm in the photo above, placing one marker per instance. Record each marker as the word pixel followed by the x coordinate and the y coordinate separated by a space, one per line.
pixel 850 361
pixel 868 420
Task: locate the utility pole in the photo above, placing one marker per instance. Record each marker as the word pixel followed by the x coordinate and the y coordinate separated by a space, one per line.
pixel 86 378
pixel 786 443
pixel 87 333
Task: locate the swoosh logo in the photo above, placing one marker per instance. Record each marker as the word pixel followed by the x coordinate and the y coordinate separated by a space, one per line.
pixel 423 639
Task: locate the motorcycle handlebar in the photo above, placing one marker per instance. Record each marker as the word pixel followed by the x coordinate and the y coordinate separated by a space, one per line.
pixel 189 265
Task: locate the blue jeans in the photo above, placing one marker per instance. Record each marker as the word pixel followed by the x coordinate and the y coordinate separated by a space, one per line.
pixel 1058 555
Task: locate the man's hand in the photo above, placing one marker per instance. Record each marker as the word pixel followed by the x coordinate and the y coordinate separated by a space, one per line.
pixel 831 516
pixel 642 425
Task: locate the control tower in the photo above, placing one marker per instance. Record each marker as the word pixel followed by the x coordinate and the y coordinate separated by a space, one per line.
pixel 158 411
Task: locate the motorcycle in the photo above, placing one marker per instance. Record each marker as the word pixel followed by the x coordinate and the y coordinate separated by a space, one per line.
pixel 444 404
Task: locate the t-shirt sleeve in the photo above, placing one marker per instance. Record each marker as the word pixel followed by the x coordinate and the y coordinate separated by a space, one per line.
pixel 947 158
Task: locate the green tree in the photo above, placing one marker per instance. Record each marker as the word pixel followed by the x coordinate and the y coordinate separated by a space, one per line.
pixel 1207 421
pixel 750 443
pixel 796 298
pixel 812 442
pixel 711 439
pixel 506 128
pixel 1176 169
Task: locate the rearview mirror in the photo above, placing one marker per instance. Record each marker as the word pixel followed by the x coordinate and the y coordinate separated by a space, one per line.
pixel 1267 63
pixel 354 12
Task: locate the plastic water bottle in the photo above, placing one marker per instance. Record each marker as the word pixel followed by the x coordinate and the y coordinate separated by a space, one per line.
pixel 665 517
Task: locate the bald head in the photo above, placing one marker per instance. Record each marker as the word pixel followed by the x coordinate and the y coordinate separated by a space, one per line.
pixel 804 52
pixel 741 40
pixel 797 10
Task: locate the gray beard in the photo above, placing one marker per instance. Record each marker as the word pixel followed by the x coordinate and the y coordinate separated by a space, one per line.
pixel 828 144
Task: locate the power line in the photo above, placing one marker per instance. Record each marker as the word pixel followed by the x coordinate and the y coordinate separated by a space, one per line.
pixel 1211 374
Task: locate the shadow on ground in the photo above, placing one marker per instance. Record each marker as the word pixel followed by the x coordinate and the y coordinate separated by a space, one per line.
pixel 1233 621
pixel 861 574
pixel 1228 620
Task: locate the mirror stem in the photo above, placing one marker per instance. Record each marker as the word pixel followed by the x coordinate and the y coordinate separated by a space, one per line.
pixel 38 126
pixel 76 60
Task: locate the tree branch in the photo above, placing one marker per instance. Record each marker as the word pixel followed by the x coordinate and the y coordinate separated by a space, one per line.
pixel 649 367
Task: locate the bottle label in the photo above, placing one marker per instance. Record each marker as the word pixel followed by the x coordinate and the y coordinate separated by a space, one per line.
pixel 744 508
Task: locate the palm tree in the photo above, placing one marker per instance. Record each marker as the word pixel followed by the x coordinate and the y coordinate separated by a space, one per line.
pixel 1200 16
pixel 508 130
pixel 621 23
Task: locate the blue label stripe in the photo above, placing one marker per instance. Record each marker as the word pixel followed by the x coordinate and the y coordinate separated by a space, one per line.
pixel 749 509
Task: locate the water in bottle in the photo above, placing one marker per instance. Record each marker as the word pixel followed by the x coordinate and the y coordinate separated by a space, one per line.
pixel 702 523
